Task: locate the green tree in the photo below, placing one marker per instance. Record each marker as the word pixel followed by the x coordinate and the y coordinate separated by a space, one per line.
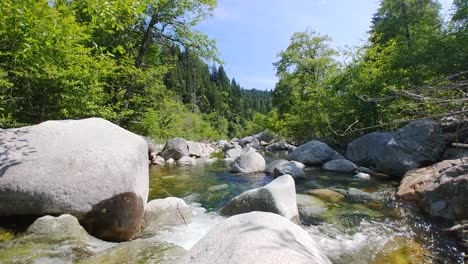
pixel 304 70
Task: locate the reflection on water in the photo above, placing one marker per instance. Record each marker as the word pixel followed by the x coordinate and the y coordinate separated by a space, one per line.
pixel 377 231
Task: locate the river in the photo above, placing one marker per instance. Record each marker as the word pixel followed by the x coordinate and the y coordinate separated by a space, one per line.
pixel 380 231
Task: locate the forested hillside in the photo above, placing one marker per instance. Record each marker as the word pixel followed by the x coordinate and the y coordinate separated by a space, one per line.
pixel 413 65
pixel 140 64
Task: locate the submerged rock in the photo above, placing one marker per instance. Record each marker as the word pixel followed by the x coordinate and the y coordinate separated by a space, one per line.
pixel 327 195
pixel 218 187
pixel 170 211
pixel 341 165
pixel 90 168
pixel 248 162
pixel 313 153
pixel 310 207
pixel 402 250
pixel 440 190
pixel 257 237
pixel 277 197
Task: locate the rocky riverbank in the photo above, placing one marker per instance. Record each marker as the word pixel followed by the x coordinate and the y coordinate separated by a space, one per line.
pixel 92 176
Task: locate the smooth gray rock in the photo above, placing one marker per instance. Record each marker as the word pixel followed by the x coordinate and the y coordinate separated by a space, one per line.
pixel 366 150
pixel 279 197
pixel 299 164
pixel 195 149
pixel 57 228
pixel 251 141
pixel 79 167
pixel 257 237
pixel 170 211
pixel 270 168
pixel 175 148
pixel 289 168
pixel 279 146
pixel 341 165
pixel 186 161
pixel 233 152
pixel 313 153
pixel 248 162
pixel 264 136
pixel 417 144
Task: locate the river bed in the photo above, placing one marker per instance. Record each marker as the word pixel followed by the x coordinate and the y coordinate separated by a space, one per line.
pixel 382 231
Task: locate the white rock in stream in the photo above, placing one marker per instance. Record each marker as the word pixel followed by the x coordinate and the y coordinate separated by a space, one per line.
pixel 248 162
pixel 279 197
pixel 170 211
pixel 257 237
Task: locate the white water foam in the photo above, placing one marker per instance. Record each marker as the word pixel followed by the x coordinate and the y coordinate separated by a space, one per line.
pixel 360 245
pixel 187 236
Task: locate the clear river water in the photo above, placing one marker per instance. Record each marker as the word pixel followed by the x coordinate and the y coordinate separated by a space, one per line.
pixel 380 231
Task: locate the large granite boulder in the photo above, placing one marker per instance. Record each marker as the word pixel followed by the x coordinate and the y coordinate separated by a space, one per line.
pixel 257 237
pixel 89 168
pixel 366 150
pixel 175 148
pixel 341 165
pixel 195 149
pixel 419 143
pixel 314 153
pixel 440 190
pixel 279 197
pixel 248 162
pixel 170 211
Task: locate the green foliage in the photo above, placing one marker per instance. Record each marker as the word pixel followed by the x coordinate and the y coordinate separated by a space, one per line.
pixel 404 72
pixel 116 59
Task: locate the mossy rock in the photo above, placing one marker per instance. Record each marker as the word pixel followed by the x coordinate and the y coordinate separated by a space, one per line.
pixel 6 235
pixel 138 251
pixel 327 195
pixel 402 251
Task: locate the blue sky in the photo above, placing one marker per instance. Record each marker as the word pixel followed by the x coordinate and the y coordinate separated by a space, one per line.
pixel 249 33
